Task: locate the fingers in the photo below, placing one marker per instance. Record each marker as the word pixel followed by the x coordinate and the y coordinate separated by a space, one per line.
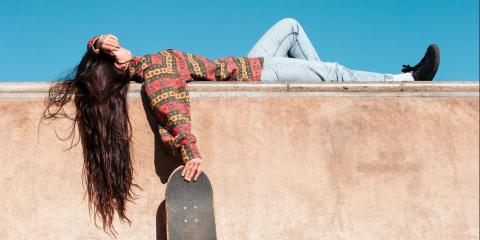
pixel 192 169
pixel 187 169
pixel 184 170
pixel 190 166
pixel 109 49
pixel 199 170
pixel 112 36
pixel 109 43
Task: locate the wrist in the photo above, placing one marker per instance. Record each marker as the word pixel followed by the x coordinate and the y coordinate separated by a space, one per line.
pixel 121 66
pixel 189 152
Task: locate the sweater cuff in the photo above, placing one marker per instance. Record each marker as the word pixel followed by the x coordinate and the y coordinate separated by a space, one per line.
pixel 135 68
pixel 91 43
pixel 189 151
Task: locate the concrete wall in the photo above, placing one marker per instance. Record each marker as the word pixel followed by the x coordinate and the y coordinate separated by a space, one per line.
pixel 287 161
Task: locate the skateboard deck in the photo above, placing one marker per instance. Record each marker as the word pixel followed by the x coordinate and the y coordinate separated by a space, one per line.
pixel 189 208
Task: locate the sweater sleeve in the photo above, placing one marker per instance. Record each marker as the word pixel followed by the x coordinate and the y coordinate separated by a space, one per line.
pixel 170 101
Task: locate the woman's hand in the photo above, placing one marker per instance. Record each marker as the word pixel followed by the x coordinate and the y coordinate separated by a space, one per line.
pixel 108 43
pixel 123 56
pixel 192 168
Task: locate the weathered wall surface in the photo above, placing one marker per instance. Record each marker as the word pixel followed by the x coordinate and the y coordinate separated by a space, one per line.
pixel 287 161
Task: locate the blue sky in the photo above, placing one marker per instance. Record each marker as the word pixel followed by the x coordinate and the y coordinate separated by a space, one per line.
pixel 40 40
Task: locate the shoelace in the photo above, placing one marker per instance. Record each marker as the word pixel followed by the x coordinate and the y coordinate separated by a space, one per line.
pixel 408 68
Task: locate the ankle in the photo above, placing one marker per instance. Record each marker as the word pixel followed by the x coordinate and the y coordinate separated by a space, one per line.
pixel 403 77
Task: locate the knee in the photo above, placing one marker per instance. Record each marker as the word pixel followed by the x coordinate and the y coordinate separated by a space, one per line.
pixel 290 22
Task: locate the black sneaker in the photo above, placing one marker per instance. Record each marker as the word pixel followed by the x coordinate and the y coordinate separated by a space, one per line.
pixel 426 69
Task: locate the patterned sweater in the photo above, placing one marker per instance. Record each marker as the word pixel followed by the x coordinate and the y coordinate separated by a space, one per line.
pixel 164 76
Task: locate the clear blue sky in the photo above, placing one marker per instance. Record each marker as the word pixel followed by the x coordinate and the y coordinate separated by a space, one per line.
pixel 42 39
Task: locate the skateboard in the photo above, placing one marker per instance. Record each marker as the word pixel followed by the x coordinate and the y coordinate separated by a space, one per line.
pixel 189 208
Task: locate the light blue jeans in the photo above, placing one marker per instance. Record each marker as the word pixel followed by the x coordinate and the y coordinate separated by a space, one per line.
pixel 289 56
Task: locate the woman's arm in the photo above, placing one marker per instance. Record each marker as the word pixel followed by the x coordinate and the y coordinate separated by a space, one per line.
pixel 170 101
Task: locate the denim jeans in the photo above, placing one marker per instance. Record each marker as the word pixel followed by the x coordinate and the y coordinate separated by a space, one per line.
pixel 289 56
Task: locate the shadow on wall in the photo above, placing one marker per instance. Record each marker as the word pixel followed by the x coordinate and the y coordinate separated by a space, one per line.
pixel 165 164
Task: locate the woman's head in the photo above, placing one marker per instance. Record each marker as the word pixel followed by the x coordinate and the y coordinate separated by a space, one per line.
pixel 99 93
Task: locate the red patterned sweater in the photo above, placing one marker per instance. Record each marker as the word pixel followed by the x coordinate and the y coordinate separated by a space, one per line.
pixel 164 76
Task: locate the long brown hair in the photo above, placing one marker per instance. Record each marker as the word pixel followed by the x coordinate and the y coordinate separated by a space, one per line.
pixel 99 94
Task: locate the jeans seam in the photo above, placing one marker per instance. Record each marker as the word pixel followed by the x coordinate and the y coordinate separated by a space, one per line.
pixel 283 40
pixel 296 40
pixel 298 44
pixel 276 75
